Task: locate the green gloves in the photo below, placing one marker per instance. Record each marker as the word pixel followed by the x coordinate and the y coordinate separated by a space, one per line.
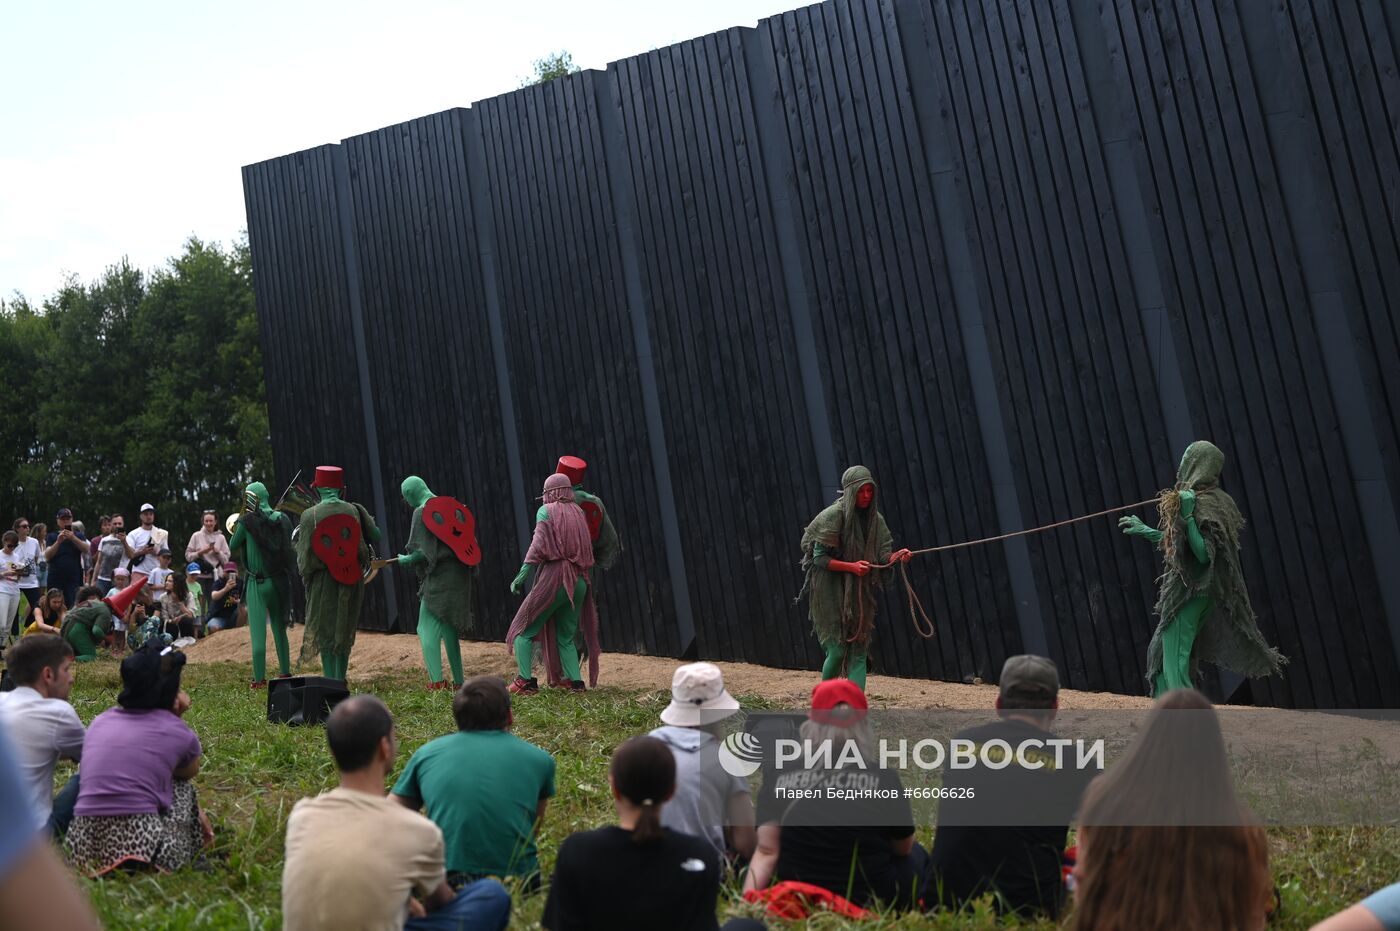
pixel 1133 526
pixel 1187 497
pixel 521 577
pixel 408 559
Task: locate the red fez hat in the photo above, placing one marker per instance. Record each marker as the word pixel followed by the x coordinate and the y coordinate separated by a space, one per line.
pixel 573 467
pixel 329 477
pixel 123 599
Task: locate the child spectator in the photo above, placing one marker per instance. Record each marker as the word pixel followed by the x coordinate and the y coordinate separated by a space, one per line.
pixel 136 800
pixel 485 788
pixel 1163 840
pixel 709 802
pixel 156 582
pixel 355 859
pixel 638 875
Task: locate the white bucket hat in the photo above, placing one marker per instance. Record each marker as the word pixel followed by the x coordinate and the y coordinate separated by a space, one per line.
pixel 698 697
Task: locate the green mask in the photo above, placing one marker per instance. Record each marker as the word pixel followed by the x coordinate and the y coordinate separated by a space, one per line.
pixel 415 491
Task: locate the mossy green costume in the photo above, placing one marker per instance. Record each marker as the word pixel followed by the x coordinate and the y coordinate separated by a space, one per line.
pixel 89 624
pixel 445 589
pixel 1203 610
pixel 262 547
pixel 332 605
pixel 841 550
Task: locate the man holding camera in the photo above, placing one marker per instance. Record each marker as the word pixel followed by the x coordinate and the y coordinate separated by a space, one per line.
pixel 65 556
pixel 144 543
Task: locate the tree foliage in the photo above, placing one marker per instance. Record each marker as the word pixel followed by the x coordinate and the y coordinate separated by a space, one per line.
pixel 135 388
pixel 553 65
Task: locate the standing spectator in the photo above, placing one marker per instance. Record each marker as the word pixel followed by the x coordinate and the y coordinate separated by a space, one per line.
pixel 136 802
pixel 43 726
pixel 48 614
pixel 863 851
pixel 112 553
pixel 104 527
pixel 85 551
pixel 40 535
pixel 1163 841
pixel 637 875
pixel 31 552
pixel 10 571
pixel 145 542
pixel 35 890
pixel 178 610
pixel 485 788
pixel 209 548
pixel 709 802
pixel 976 850
pixel 223 604
pixel 65 556
pixel 355 859
pixel 156 581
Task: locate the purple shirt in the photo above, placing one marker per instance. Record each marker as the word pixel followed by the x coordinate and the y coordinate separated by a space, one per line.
pixel 129 761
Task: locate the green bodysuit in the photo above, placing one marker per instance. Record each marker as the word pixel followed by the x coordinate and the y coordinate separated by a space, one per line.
pixel 262 547
pixel 1203 610
pixel 445 589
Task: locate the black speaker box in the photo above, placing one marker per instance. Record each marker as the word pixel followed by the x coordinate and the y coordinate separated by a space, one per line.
pixel 303 699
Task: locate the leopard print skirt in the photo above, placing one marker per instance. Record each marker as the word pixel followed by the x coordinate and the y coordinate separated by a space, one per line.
pixel 99 843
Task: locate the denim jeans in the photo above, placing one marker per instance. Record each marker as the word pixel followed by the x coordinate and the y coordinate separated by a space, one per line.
pixel 480 906
pixel 63 805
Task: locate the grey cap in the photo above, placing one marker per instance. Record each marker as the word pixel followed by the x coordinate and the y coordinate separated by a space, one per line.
pixel 1029 673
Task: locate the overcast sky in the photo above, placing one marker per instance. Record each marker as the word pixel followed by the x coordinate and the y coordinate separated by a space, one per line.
pixel 123 126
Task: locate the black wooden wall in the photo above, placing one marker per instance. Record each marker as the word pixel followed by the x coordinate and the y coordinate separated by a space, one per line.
pixel 1011 254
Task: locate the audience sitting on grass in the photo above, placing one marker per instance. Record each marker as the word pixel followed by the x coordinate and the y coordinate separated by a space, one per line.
pixel 179 611
pixel 357 860
pixel 638 875
pixel 43 726
pixel 144 622
pixel 1005 832
pixel 1164 842
pixel 35 889
pixel 708 802
pixel 47 616
pixel 1379 912
pixel 137 805
pixel 485 788
pixel 862 850
pixel 88 624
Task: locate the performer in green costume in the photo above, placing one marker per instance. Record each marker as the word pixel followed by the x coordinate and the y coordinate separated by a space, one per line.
pixel 89 624
pixel 262 546
pixel 562 553
pixel 333 552
pixel 446 574
pixel 846 552
pixel 1203 610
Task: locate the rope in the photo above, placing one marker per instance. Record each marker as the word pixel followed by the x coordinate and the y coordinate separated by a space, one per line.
pixel 914 601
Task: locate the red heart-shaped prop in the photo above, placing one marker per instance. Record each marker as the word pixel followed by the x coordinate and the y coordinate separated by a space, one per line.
pixel 452 522
pixel 336 542
pixel 594 515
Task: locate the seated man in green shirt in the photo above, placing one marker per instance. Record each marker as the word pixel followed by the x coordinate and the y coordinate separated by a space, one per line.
pixel 485 788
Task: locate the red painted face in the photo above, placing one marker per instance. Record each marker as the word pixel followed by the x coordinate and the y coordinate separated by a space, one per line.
pixel 864 495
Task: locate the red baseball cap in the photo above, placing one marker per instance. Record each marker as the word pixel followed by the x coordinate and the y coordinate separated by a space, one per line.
pixel 827 695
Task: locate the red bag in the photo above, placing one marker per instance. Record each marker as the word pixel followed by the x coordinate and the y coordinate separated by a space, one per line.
pixel 795 901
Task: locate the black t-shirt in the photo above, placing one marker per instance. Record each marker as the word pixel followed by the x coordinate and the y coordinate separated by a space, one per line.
pixel 975 852
pixel 227 606
pixel 67 562
pixel 842 845
pixel 603 880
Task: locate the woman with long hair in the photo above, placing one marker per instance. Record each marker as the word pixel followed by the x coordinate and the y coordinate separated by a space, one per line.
pixel 178 609
pixel 47 617
pixel 1164 842
pixel 637 874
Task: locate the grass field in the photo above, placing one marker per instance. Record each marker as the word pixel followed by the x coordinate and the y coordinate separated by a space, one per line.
pixel 254 772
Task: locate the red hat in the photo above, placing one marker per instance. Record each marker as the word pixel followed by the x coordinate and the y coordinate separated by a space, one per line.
pixel 573 467
pixel 329 477
pixel 827 695
pixel 123 599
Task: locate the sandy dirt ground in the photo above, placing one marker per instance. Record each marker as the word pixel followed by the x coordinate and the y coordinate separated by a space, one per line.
pixel 377 654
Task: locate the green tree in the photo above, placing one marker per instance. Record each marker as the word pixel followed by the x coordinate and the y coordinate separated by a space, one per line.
pixel 554 65
pixel 134 388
